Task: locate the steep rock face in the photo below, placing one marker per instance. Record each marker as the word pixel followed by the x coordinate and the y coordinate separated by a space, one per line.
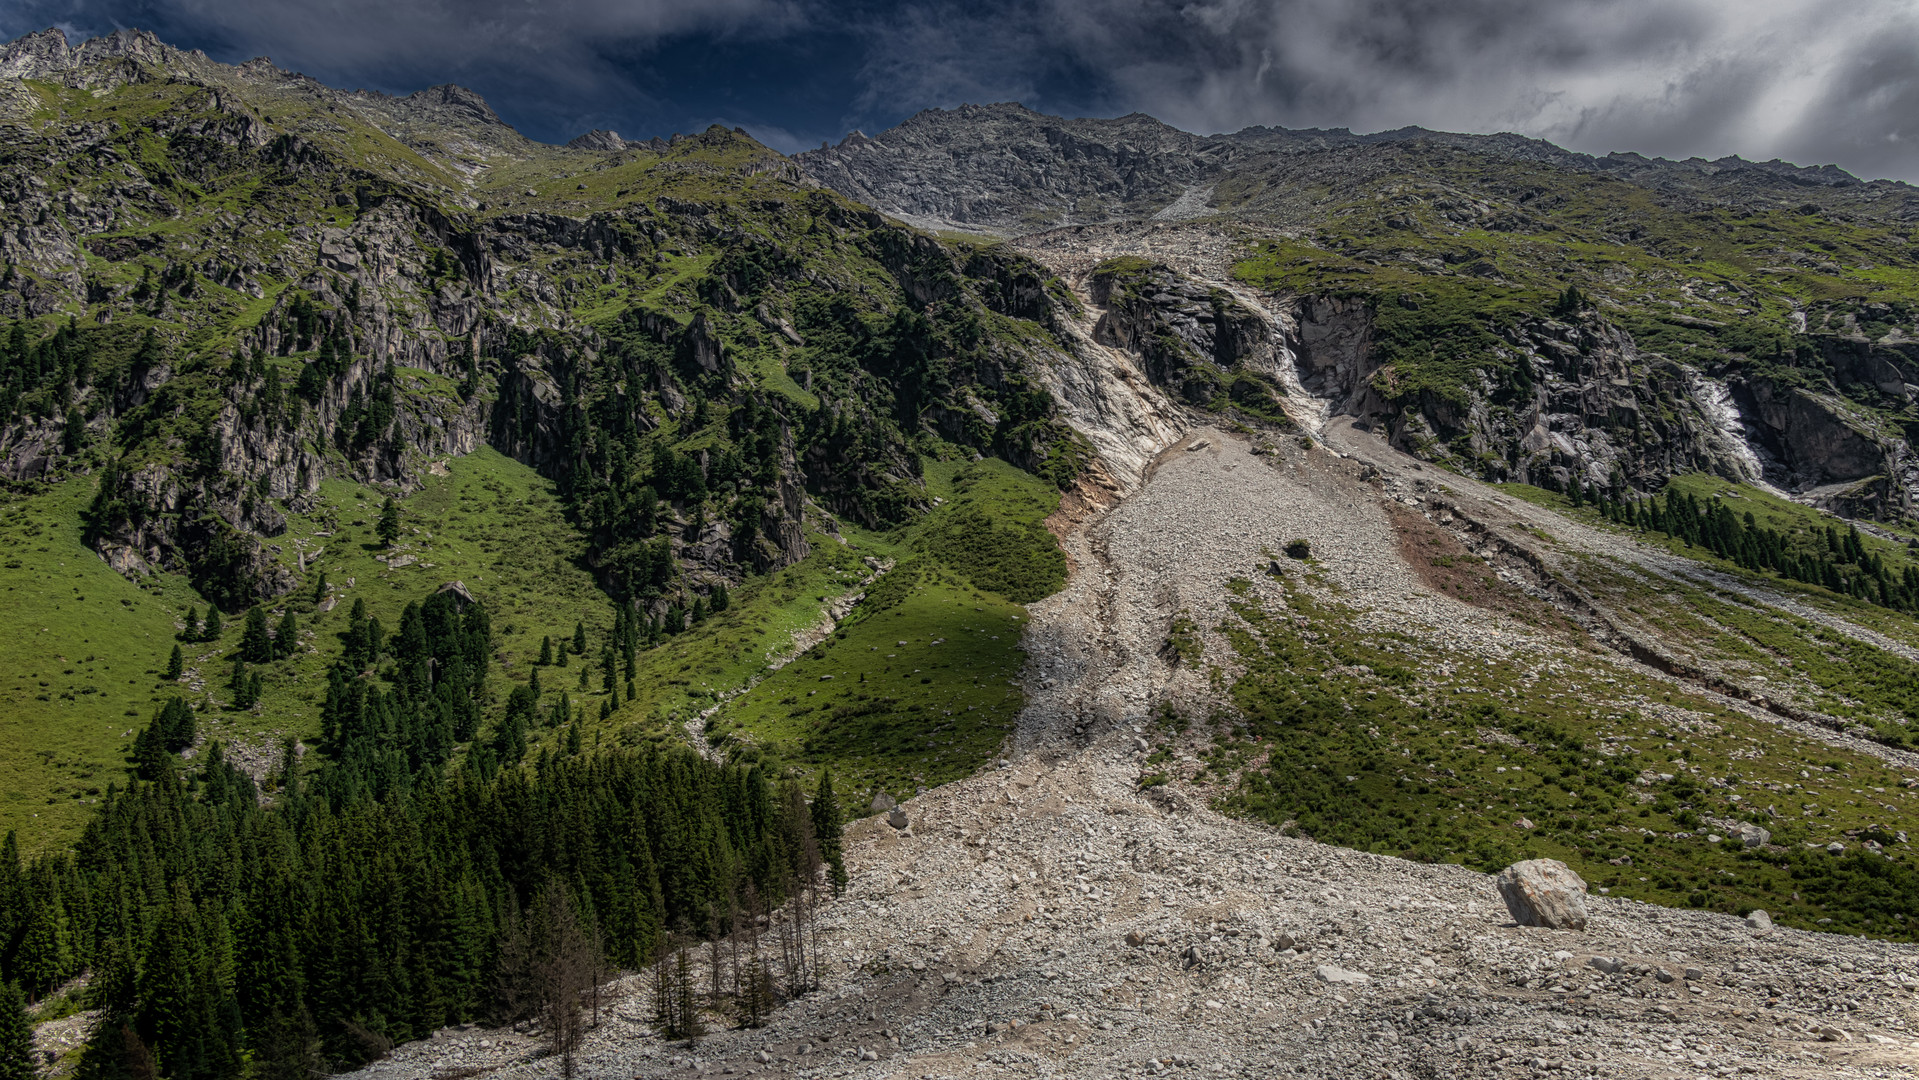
pixel 1579 398
pixel 1199 342
pixel 1827 449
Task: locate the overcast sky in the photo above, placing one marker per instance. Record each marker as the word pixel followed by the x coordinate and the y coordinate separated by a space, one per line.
pixel 1811 82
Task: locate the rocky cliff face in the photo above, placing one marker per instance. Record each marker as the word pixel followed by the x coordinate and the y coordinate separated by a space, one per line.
pixel 1579 397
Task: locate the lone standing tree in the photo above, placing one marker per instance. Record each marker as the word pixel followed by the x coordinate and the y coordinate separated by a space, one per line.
pixel 828 830
pixel 389 527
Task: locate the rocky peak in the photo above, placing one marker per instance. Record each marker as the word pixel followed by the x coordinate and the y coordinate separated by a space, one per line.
pixel 597 139
pixel 47 55
pixel 456 100
pixel 35 55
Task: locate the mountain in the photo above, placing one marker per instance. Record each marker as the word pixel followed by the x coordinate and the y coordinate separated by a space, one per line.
pixel 1004 169
pixel 1009 591
pixel 1766 292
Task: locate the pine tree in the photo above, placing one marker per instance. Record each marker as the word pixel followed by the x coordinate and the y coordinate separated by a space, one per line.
pixel 256 645
pixel 389 527
pixel 287 638
pixel 546 651
pixel 721 601
pixel 319 587
pixel 191 632
pixel 16 1036
pixel 829 830
pixel 213 628
pixel 579 639
pixel 176 665
pixel 242 687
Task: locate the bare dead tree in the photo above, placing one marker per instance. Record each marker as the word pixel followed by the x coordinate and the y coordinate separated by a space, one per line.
pixel 566 968
pixel 512 985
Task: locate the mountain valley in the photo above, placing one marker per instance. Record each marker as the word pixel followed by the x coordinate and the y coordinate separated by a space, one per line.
pixel 1194 565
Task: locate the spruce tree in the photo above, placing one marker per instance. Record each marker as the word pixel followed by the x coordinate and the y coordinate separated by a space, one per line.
pixel 16 1036
pixel 319 587
pixel 579 639
pixel 389 527
pixel 176 665
pixel 829 830
pixel 242 686
pixel 287 638
pixel 213 629
pixel 546 651
pixel 256 645
pixel 191 632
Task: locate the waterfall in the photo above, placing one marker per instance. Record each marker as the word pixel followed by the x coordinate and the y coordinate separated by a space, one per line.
pixel 1729 427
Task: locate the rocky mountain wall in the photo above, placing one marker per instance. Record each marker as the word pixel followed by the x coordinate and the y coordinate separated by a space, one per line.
pixel 1582 400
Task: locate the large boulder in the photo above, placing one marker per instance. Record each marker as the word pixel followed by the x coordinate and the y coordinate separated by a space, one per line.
pixel 1544 892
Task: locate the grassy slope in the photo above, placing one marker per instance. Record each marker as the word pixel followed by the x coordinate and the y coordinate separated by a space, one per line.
pixel 491 522
pixel 1445 757
pixel 84 649
pixel 1822 669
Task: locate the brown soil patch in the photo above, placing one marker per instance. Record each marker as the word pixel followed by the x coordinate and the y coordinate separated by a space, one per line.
pixel 1445 565
pixel 1095 492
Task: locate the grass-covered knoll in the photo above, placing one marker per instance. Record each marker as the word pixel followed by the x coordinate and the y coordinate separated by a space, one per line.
pixel 1374 740
pixel 914 686
pixel 918 692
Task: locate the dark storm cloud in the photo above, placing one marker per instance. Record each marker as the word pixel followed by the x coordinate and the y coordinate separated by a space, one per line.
pixel 1808 81
pixel 558 66
pixel 1812 81
pixel 562 42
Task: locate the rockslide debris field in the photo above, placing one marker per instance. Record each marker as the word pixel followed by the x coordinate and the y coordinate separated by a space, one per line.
pixel 1049 918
